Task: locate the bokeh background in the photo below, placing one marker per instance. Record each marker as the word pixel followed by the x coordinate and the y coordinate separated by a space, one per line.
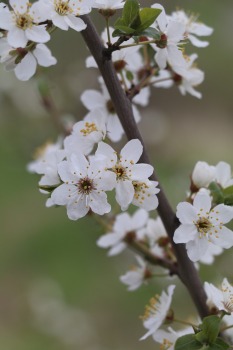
pixel 57 289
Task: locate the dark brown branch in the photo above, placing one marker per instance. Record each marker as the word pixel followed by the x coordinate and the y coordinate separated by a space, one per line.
pixel 122 104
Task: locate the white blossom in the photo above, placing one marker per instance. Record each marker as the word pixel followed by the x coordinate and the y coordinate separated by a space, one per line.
pixel 86 133
pixel 65 14
pixel 203 174
pixel 193 28
pixel 93 99
pixel 188 76
pixel 201 225
pixel 83 188
pixel 155 231
pixel 24 62
pixel 172 32
pixel 156 312
pixel 136 276
pixel 126 169
pixel 222 298
pixel 47 159
pixel 125 226
pixel 145 194
pixel 22 23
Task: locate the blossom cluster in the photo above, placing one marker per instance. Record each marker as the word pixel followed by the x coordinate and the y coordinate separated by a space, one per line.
pixel 27 27
pixel 202 221
pixel 77 179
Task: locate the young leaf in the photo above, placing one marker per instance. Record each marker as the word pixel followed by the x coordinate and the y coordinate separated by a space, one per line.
pixel 228 200
pixel 147 17
pixel 228 190
pixel 216 192
pixel 210 328
pixel 219 344
pixel 188 342
pixel 130 12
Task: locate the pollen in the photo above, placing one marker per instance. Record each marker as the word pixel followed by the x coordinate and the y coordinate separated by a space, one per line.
pixel 85 186
pixel 152 308
pixel 62 7
pixel 89 128
pixel 24 21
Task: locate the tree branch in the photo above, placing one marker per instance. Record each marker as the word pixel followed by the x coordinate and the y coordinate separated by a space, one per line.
pixel 122 104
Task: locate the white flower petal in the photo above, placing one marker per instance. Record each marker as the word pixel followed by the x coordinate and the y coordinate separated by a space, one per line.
pixel 202 202
pixel 37 34
pixel 223 237
pixel 197 248
pixel 99 203
pixel 78 209
pixel 221 214
pixel 141 171
pixel 185 233
pixel 131 152
pixel 16 37
pixel 75 23
pixel 44 56
pixel 124 193
pixel 92 99
pixel 26 68
pixel 186 213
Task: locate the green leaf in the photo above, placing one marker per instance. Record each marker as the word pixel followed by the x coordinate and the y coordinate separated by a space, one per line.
pixel 210 327
pixel 228 190
pixel 129 75
pixel 228 200
pixel 130 12
pixel 219 344
pixel 188 342
pixel 216 192
pixel 147 17
pixel 124 29
pixel 151 33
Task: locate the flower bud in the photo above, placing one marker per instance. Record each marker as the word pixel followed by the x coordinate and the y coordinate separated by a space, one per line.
pixel 203 174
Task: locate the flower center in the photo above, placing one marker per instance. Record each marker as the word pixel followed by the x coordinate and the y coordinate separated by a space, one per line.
pixel 85 186
pixel 162 42
pixel 203 225
pixel 165 345
pixel 24 21
pixel 120 172
pixel 89 128
pixel 62 7
pixel 152 308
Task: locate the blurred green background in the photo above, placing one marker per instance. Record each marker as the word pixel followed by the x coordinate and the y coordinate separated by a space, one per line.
pixel 57 289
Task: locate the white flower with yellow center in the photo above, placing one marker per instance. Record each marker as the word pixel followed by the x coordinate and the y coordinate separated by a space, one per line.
pixel 156 312
pixel 22 23
pixel 172 33
pixel 87 133
pixel 193 28
pixel 83 188
pixel 201 225
pixel 24 62
pixel 145 195
pixel 65 13
pixel 94 100
pixel 126 170
pixel 222 298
